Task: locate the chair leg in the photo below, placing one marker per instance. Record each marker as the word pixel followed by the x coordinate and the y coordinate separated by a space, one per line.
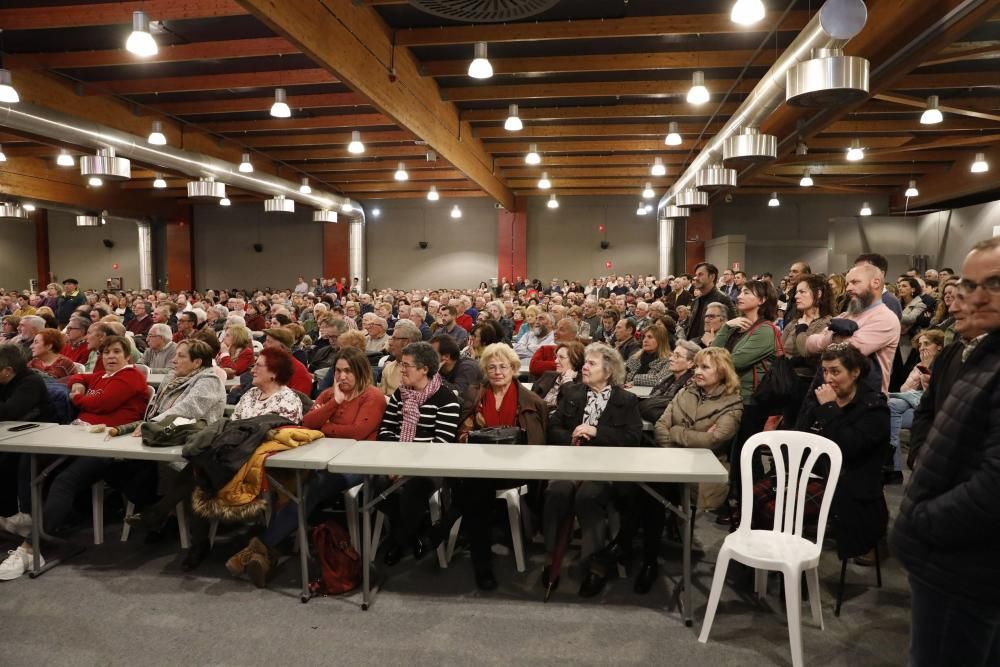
pixel 812 581
pixel 513 499
pixel 377 533
pixel 760 583
pixel 718 580
pixel 840 589
pixel 213 529
pixel 878 568
pixel 129 511
pixel 436 511
pixel 793 610
pixel 97 504
pixel 182 526
pixel 353 516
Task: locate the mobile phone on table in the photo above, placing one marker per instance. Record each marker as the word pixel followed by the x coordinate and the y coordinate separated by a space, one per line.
pixel 22 427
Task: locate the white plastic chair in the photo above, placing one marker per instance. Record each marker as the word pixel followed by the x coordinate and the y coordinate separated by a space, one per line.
pixel 97 503
pixel 783 548
pixel 353 516
pixel 512 497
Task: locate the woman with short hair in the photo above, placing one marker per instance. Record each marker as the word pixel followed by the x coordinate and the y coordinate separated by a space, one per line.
pixel 270 393
pixel 45 357
pixel 569 363
pixel 648 365
pixel 530 313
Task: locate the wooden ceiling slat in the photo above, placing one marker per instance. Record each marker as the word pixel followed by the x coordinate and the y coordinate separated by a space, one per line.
pixel 203 107
pixel 949 125
pixel 389 176
pixel 327 122
pixel 444 194
pixel 420 189
pixel 325 139
pixel 609 130
pixel 973 53
pixel 855 168
pixel 176 84
pixel 558 171
pixel 599 160
pixel 298 154
pixel 633 145
pixel 528 91
pixel 917 103
pixel 522 183
pixel 412 165
pixel 652 110
pixel 111 13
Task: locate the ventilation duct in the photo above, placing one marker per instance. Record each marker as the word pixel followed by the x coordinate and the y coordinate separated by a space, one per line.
pixel 673 212
pixel 714 178
pixel 692 198
pixel 89 220
pixel 206 188
pixel 484 11
pixel 279 204
pixel 750 146
pixel 12 211
pixel 324 215
pixel 828 79
pixel 105 165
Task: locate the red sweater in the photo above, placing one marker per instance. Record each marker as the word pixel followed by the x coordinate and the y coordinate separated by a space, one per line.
pixel 358 419
pixel 543 360
pixel 465 321
pixel 78 355
pixel 302 379
pixel 111 400
pixel 140 327
pixel 241 364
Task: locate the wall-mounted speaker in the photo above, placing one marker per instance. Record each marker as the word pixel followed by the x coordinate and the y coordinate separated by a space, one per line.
pixel 423 245
pixel 108 243
pixel 605 245
pixel 258 247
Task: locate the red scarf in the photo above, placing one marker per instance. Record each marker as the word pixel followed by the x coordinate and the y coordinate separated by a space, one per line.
pixel 506 415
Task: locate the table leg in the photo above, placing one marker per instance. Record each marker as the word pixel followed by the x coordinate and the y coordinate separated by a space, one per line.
pixel 366 557
pixel 36 518
pixel 303 542
pixel 688 520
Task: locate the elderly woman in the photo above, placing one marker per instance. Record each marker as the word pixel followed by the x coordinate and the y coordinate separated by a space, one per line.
pixel 502 402
pixel 483 334
pixel 648 365
pixel 45 355
pixel 855 416
pixel 52 293
pixel 814 308
pixel 10 324
pixel 236 351
pixel 681 367
pixel 530 313
pixel 423 409
pixel 569 363
pixel 597 412
pixel 160 348
pixel 352 408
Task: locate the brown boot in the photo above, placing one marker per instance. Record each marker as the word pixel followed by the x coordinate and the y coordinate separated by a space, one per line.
pixel 259 563
pixel 237 564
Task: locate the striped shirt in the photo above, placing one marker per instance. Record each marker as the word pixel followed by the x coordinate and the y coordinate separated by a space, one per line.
pixel 438 422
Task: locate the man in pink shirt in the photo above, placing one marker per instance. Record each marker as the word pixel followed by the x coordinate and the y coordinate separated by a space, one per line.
pixel 878 327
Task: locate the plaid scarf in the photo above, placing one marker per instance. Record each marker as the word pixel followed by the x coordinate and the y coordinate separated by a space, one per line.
pixel 410 402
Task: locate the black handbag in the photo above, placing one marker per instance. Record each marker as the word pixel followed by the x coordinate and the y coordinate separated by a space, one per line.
pixel 497 435
pixel 780 383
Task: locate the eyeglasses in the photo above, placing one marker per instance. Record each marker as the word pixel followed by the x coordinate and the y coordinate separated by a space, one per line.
pixel 407 367
pixel 711 317
pixel 991 284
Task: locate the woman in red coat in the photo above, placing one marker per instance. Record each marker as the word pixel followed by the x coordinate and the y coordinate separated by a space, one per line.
pixel 236 355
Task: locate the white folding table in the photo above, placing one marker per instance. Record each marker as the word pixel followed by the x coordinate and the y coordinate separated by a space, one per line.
pixel 6 432
pixel 610 464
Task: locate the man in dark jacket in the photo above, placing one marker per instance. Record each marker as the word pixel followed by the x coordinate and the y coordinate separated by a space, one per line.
pixel 69 301
pixel 705 277
pixel 463 375
pixel 946 535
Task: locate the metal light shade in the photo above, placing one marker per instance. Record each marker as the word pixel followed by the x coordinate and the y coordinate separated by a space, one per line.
pixel 89 221
pixel 279 205
pixel 324 215
pixel 105 165
pixel 828 79
pixel 206 188
pixel 715 178
pixel 691 198
pixel 12 211
pixel 671 212
pixel 750 146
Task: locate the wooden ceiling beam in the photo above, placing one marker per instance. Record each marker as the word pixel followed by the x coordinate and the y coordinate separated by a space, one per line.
pixel 178 84
pixel 530 91
pixel 949 56
pixel 958 182
pixel 326 122
pixel 653 110
pixel 881 155
pixel 325 139
pixel 958 80
pixel 389 176
pixel 111 13
pixel 582 172
pixel 418 196
pixel 913 125
pixel 608 130
pixel 559 182
pixel 374 165
pixel 637 26
pixel 406 186
pixel 917 103
pixel 300 154
pixel 656 145
pixel 855 168
pixel 355 44
pixel 598 160
pixel 246 104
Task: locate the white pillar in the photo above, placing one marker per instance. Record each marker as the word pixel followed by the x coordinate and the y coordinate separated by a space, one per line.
pixel 145 254
pixel 665 247
pixel 356 252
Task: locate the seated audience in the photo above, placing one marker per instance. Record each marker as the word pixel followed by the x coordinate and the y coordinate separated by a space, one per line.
pixel 460 374
pixel 283 339
pixel 624 338
pixel 235 351
pixel 45 355
pixel 404 333
pixel 680 363
pixel 903 403
pixel 447 324
pixel 544 358
pixel 649 364
pixel 569 363
pixel 160 348
pixel 541 334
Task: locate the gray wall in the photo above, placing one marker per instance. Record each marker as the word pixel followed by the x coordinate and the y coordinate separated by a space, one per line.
pixel 947 236
pixel 460 253
pixel 79 252
pixel 223 246
pixel 17 253
pixel 566 243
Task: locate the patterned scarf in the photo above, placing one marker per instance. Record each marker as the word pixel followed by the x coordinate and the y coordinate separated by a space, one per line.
pixel 411 400
pixel 597 401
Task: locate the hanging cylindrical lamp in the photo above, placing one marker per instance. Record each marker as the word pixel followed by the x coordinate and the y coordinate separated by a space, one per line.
pixel 279 204
pixel 828 79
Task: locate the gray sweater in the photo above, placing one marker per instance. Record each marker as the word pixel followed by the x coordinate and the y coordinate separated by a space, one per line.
pixel 203 396
pixel 159 360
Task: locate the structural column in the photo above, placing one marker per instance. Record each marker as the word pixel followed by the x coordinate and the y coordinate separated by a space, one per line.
pixel 336 255
pixel 512 244
pixel 665 247
pixel 699 230
pixel 356 252
pixel 180 252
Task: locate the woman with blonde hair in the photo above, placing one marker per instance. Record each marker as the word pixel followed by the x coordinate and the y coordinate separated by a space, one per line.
pixel 530 313
pixel 52 293
pixel 236 352
pixel 649 364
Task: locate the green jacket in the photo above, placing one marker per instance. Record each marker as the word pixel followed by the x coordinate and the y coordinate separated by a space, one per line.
pixel 752 353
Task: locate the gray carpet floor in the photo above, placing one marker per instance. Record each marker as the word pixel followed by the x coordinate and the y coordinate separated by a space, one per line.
pixel 129 604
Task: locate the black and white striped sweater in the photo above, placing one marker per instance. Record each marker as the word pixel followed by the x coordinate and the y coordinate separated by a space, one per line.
pixel 439 418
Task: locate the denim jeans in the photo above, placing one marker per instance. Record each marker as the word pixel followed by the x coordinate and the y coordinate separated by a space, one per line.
pixel 901 408
pixel 948 630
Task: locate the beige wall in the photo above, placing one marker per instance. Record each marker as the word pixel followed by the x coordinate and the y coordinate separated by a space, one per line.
pixel 947 236
pixel 79 252
pixel 17 254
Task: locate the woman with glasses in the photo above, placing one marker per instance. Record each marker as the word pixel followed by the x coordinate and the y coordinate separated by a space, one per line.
pixel 160 349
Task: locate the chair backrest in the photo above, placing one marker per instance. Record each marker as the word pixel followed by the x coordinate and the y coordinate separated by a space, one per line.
pixel 142 368
pixel 789 448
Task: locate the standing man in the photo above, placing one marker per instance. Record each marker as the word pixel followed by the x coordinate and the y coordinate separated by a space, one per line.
pixel 727 285
pixel 69 301
pixel 882 264
pixel 946 532
pixel 705 276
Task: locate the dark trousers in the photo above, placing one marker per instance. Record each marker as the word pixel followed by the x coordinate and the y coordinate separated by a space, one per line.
pixel 407 508
pixel 319 488
pixel 475 500
pixel 640 509
pixel 11 493
pixel 947 630
pixel 790 415
pixel 752 423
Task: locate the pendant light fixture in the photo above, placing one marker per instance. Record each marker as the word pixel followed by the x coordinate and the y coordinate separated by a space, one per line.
pixel 246 167
pixel 3 156
pixel 401 174
pixel 456 212
pixel 980 165
pixel 65 159
pixel 553 202
pixel 8 94
pixel 94 182
pixel 648 207
pixel 866 210
pixel 279 204
pixel 480 67
pixel 647 192
pixel 773 201
pixel 141 41
pixel 699 93
pixel 206 188
pixel 12 211
pixel 156 136
pixel 544 183
pixel 691 198
pixel 376 212
pixel 747 12
pixel 355 147
pixel 346 207
pixel 658 168
pixel 533 157
pixel 106 165
pixel 30 208
pixel 641 210
pixel 280 107
pixel 673 136
pixel 827 79
pixel 806 181
pixel 432 194
pixel 90 220
pixel 159 183
pixel 324 215
pixel 513 122
pixel 911 190
pixel 855 153
pixel 225 202
pixel 305 188
pixel 931 115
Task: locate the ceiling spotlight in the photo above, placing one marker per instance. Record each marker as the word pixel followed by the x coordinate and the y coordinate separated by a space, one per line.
pixel 355 147
pixel 773 201
pixel 553 202
pixel 866 210
pixel 432 194
pixel 28 207
pixel 747 12
pixel 911 190
pixel 246 167
pixel 346 207
pixel 401 174
pixel 658 168
pixel 456 212
pixel 647 192
pixel 533 157
pixel 544 183
pixel 648 207
pixel 673 136
pixel 376 212
pixel 3 156
pixel 698 93
pixel 225 201
pixel 159 183
pixel 980 165
pixel 513 122
pixel 156 136
pixel 801 149
pixel 806 181
pixel 95 182
pixel 641 210
pixel 480 67
pixel 855 153
pixel 931 115
pixel 8 94
pixel 280 107
pixel 65 159
pixel 141 42
pixel 305 188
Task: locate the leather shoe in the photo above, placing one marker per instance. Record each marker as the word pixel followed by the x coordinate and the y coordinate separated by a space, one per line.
pixel 485 581
pixel 592 585
pixel 646 578
pixel 392 555
pixel 195 555
pixel 548 583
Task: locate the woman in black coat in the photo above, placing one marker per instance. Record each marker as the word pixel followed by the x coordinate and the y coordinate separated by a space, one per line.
pixel 846 410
